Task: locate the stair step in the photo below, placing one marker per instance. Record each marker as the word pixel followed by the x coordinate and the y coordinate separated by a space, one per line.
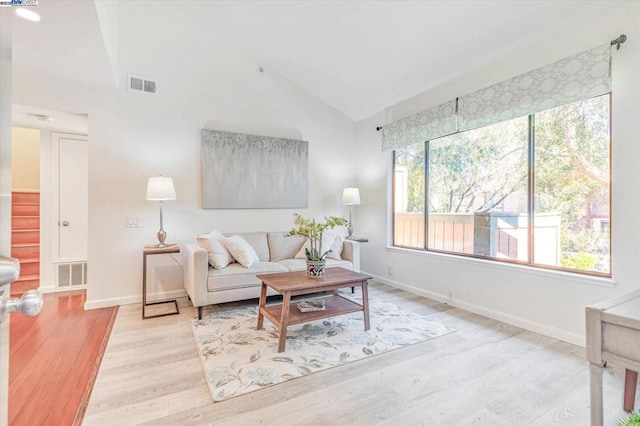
pixel 20 286
pixel 29 269
pixel 25 210
pixel 24 245
pixel 25 222
pixel 25 236
pixel 26 251
pixel 28 260
pixel 25 197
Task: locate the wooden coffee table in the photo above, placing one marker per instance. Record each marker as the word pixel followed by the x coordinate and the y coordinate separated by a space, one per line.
pixel 296 283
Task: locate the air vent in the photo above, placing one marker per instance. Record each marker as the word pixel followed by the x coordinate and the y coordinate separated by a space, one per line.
pixel 72 274
pixel 142 84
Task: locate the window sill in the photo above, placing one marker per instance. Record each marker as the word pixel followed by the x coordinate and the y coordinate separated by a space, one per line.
pixel 559 275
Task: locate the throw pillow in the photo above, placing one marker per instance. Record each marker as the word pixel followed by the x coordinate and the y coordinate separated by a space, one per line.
pixel 336 248
pixel 327 243
pixel 213 243
pixel 242 251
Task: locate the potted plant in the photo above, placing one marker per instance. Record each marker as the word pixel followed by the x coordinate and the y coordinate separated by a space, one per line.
pixel 312 231
pixel 632 420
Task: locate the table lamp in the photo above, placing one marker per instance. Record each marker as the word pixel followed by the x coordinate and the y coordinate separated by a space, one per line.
pixel 160 188
pixel 350 197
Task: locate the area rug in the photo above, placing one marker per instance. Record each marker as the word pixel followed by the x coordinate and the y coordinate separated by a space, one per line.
pixel 239 359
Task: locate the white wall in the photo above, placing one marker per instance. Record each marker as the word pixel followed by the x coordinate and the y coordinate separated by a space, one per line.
pixel 547 302
pixel 25 160
pixel 133 136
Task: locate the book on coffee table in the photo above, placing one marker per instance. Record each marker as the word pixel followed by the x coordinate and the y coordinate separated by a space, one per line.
pixel 311 305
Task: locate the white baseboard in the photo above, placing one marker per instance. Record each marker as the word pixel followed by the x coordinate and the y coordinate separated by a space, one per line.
pixel 536 327
pixel 129 300
pixel 54 289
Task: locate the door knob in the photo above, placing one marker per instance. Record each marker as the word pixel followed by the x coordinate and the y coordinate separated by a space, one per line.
pixel 9 270
pixel 65 223
pixel 29 305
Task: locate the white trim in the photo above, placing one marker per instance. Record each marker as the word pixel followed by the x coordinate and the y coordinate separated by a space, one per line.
pixel 548 273
pixel 69 260
pixel 526 324
pixel 53 289
pixel 130 300
pixel 26 191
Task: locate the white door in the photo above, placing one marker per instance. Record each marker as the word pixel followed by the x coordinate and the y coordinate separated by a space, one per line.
pixel 71 198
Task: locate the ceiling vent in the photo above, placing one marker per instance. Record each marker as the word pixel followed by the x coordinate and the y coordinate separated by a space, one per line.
pixel 140 84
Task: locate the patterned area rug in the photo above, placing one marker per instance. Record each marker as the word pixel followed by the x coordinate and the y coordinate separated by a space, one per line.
pixel 239 359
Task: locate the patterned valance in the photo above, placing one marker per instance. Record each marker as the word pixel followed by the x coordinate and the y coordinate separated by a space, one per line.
pixel 429 124
pixel 578 77
pixel 572 79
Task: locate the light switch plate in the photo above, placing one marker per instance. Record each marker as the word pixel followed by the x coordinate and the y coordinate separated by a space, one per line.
pixel 133 222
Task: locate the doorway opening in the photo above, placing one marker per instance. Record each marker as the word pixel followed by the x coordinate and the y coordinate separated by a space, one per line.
pixel 49 179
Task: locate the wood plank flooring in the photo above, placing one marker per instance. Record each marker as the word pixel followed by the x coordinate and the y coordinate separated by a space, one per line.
pixel 54 358
pixel 487 373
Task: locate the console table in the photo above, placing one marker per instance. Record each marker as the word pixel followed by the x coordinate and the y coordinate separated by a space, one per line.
pixel 613 338
pixel 148 251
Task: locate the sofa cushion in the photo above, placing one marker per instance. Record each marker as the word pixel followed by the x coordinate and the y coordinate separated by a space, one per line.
pixel 301 264
pixel 213 243
pixel 237 276
pixel 346 264
pixel 241 251
pixel 336 248
pixel 327 243
pixel 281 247
pixel 258 240
pixel 294 264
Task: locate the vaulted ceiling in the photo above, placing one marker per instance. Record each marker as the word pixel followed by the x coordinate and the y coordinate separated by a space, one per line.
pixel 357 56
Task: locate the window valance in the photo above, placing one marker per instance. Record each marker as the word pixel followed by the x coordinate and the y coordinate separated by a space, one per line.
pixel 429 124
pixel 578 77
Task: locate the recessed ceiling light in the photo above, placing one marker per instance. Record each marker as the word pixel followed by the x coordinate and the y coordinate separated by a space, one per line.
pixel 27 14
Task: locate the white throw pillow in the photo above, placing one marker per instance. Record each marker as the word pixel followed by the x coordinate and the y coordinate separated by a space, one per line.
pixel 327 243
pixel 337 247
pixel 219 256
pixel 242 251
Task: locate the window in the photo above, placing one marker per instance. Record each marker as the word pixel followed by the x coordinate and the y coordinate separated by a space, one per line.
pixel 533 190
pixel 409 198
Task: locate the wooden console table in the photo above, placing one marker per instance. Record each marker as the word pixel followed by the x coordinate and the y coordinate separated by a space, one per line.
pixel 613 338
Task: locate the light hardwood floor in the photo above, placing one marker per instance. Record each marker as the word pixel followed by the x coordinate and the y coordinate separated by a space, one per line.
pixel 487 373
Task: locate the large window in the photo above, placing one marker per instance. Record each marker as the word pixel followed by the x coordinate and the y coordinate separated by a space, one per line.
pixel 533 190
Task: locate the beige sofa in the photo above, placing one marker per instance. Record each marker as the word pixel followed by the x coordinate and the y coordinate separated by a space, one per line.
pixel 207 286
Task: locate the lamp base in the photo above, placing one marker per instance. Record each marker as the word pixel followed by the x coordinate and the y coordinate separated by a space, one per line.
pixel 350 231
pixel 161 237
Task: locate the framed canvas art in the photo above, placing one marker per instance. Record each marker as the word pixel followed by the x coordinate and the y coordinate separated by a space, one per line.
pixel 242 171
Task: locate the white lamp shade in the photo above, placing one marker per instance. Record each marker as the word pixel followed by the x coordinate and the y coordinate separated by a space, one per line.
pixel 351 196
pixel 160 188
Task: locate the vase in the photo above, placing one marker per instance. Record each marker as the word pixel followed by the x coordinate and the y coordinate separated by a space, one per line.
pixel 315 269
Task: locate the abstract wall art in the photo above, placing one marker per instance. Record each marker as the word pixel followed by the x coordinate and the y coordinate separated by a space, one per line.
pixel 242 171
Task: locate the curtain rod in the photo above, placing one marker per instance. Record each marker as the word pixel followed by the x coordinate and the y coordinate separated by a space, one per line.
pixel 616 42
pixel 619 41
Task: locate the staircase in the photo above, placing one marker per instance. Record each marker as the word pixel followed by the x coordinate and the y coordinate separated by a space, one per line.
pixel 25 239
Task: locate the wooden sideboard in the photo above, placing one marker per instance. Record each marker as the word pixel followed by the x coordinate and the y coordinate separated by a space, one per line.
pixel 613 339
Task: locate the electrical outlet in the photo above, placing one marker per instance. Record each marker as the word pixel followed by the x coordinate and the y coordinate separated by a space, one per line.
pixel 389 271
pixel 133 222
